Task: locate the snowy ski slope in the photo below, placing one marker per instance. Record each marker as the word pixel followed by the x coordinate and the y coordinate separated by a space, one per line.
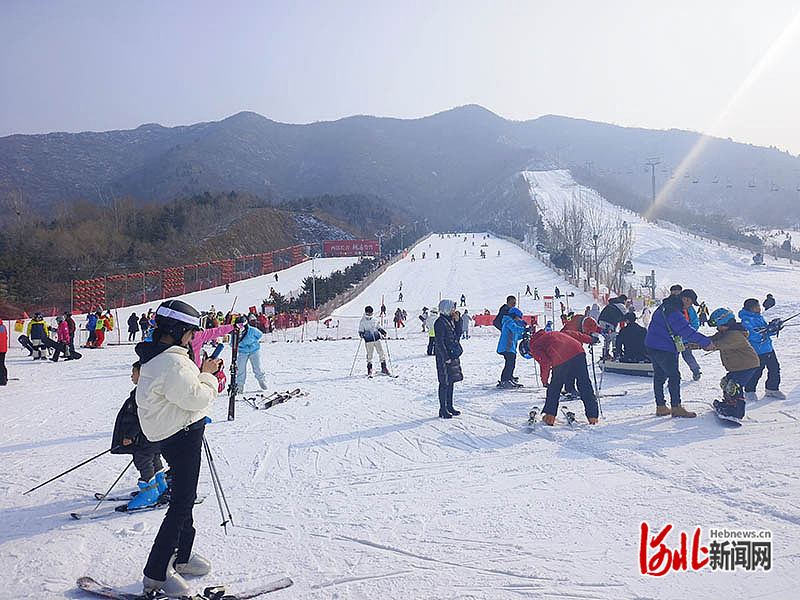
pixel 358 491
pixel 719 274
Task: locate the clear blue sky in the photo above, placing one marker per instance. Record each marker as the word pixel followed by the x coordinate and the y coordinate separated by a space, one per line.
pixel 97 65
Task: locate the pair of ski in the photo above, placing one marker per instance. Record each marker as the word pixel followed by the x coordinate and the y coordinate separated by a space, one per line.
pixel 96 588
pixel 265 401
pixel 533 417
pixel 382 374
pixel 121 508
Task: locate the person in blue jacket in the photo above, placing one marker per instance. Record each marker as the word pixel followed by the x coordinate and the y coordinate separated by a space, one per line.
pixel 668 321
pixel 762 343
pixel 91 323
pixel 249 348
pixel 510 335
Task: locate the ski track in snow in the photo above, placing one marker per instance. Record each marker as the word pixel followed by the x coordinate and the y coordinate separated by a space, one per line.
pixel 358 490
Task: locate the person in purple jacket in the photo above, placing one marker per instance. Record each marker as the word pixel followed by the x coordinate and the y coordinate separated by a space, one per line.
pixel 668 321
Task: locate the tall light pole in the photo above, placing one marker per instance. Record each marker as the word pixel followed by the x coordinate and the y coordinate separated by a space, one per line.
pixel 596 265
pixel 652 162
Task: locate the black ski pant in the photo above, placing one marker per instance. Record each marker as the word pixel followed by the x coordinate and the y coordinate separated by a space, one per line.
pixel 132 336
pixel 431 346
pixel 72 344
pixel 445 396
pixel 3 370
pixel 148 461
pixel 92 337
pixel 508 369
pixel 182 451
pixel 665 370
pixel 574 369
pixel 770 361
pixel 59 347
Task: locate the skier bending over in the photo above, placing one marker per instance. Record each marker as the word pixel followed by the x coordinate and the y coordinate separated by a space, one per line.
pixel 128 439
pixel 174 398
pixel 563 352
pixel 249 351
pixel 369 331
pixel 739 359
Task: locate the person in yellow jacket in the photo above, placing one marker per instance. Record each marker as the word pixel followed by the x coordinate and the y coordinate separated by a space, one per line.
pixel 39 336
pixel 99 329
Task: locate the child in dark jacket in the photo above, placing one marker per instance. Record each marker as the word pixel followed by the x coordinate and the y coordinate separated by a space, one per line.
pixel 739 359
pixel 129 439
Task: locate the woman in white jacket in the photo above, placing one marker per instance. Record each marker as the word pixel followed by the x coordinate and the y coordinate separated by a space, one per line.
pixel 173 399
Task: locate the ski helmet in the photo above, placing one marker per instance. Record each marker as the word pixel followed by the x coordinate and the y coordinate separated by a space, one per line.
pixel 524 348
pixel 38 316
pixel 515 312
pixel 176 317
pixel 720 316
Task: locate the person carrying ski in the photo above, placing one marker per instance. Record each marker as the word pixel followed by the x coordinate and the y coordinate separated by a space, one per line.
pixel 513 329
pixel 664 341
pixel 133 327
pixel 761 341
pixel 629 346
pixel 129 439
pixel 562 352
pixel 3 351
pixel 448 350
pixel 465 320
pixel 739 359
pixel 369 331
pixel 173 400
pixel 249 352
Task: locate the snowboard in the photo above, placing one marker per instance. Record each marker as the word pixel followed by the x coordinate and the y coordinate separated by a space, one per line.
pixel 727 419
pixel 96 588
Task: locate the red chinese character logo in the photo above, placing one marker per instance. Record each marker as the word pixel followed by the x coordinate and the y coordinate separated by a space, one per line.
pixel 663 559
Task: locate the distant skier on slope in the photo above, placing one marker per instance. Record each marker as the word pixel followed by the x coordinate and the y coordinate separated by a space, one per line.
pixel 369 331
pixel 769 302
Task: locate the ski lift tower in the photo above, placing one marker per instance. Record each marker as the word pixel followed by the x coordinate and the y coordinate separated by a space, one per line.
pixel 652 162
pixel 650 281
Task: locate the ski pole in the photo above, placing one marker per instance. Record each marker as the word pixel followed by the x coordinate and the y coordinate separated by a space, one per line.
pixel 108 491
pixel 218 491
pixel 389 355
pixel 356 356
pixel 70 470
pixel 594 371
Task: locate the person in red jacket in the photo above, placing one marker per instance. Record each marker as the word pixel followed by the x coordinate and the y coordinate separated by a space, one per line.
pixel 563 353
pixel 3 350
